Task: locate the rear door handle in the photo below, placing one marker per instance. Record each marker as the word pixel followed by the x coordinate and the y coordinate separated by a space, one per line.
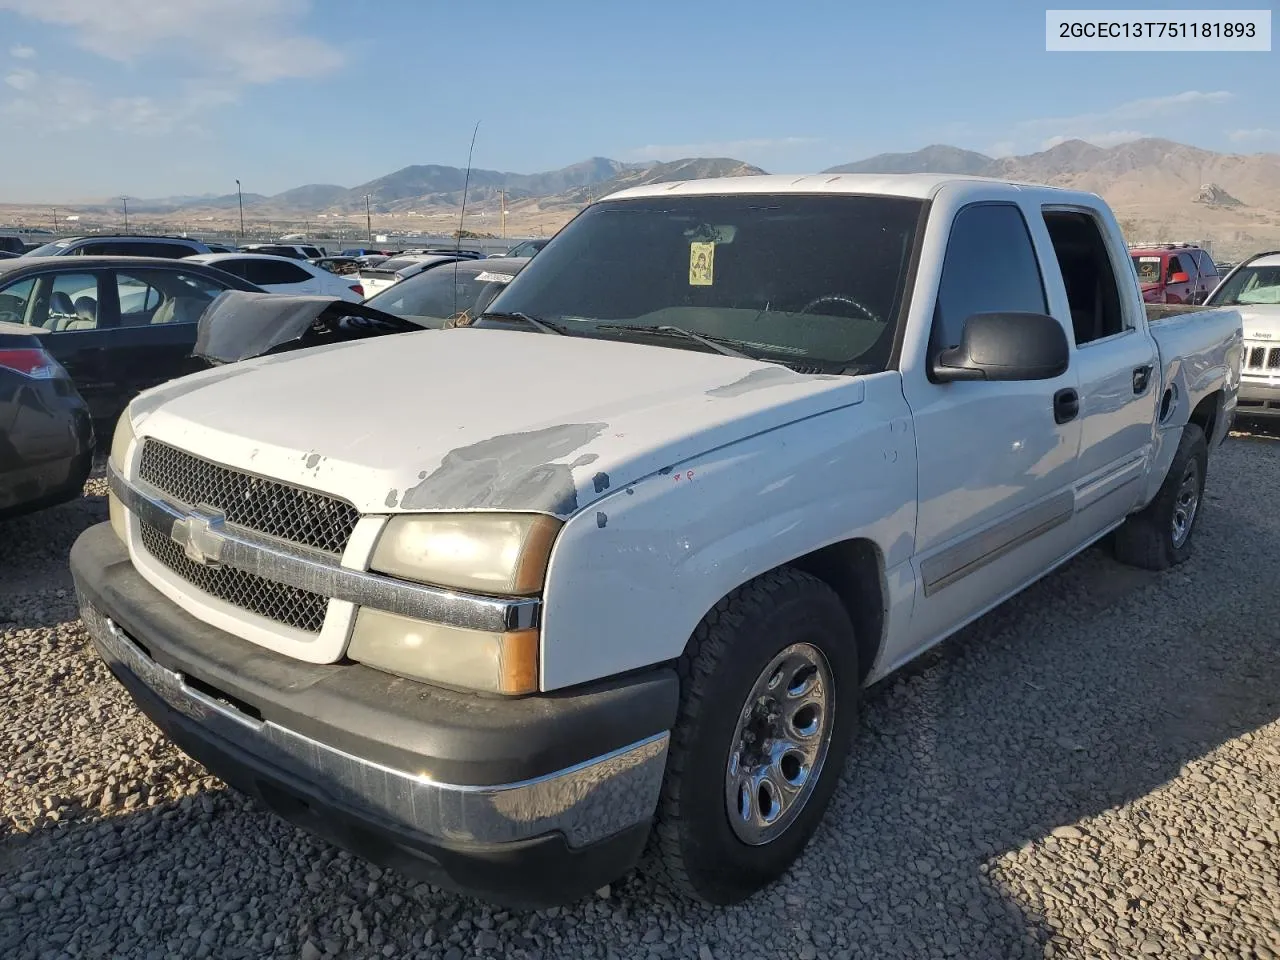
pixel 1066 405
pixel 1141 379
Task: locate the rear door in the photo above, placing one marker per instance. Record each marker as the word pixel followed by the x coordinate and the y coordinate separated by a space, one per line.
pixel 996 467
pixel 1115 359
pixel 69 306
pixel 157 310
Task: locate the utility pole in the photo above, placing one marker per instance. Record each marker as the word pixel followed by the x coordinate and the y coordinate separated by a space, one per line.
pixel 368 217
pixel 126 213
pixel 504 213
pixel 240 199
pixel 55 220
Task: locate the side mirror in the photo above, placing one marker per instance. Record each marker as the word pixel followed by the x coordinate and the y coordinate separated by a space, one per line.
pixel 1005 346
pixel 1179 277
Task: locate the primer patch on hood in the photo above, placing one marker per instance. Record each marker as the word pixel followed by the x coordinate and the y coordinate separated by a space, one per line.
pixel 509 472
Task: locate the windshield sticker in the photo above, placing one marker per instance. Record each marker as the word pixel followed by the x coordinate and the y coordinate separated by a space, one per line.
pixel 702 264
pixel 1149 259
pixel 488 277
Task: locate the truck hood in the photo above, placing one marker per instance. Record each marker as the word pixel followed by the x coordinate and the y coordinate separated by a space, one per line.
pixel 478 419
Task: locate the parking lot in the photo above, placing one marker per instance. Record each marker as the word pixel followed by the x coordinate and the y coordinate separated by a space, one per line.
pixel 1093 770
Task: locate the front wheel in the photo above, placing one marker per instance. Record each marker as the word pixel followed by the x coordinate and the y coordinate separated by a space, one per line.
pixel 1159 536
pixel 769 700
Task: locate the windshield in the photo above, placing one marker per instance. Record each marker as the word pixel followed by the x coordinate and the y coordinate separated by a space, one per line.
pixel 1248 285
pixel 431 298
pixel 1148 269
pixel 786 277
pixel 50 249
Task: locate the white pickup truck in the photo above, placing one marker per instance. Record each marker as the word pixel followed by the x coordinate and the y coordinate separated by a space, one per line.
pixel 501 604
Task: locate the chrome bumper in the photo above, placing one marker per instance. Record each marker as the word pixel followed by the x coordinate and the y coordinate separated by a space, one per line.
pixel 585 803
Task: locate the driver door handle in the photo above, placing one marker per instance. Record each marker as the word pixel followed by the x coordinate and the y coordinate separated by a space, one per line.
pixel 1066 405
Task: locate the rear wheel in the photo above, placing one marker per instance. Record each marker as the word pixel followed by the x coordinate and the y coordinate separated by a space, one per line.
pixel 1159 536
pixel 769 701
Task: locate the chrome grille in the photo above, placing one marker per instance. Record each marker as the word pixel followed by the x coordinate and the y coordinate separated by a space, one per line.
pixel 288 605
pixel 1261 358
pixel 267 506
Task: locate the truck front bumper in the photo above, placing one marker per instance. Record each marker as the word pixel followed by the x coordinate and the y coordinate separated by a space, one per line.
pixel 1258 398
pixel 528 803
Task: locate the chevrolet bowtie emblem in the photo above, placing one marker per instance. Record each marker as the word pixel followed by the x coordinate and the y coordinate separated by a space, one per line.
pixel 199 535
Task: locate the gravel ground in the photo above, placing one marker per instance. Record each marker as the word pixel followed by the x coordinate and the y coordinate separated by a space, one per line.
pixel 1091 771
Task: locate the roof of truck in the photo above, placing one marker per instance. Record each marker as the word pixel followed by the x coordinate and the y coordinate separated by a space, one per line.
pixel 920 186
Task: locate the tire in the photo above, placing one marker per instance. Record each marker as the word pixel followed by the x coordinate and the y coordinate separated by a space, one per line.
pixel 699 853
pixel 1159 536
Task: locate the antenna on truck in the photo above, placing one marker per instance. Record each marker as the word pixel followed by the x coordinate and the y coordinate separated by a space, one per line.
pixel 466 182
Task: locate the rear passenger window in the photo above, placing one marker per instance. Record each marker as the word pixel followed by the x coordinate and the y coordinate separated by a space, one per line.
pixel 266 272
pixel 990 266
pixel 1090 280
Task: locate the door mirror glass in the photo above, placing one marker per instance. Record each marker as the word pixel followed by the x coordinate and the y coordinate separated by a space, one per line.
pixel 1179 277
pixel 1005 346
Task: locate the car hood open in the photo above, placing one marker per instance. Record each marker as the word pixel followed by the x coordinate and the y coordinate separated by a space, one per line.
pixel 239 325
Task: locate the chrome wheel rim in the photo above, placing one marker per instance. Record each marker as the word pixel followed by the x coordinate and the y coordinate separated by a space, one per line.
pixel 1186 503
pixel 779 744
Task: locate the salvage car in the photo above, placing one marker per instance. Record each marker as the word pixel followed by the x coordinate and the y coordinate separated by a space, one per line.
pixel 46 435
pixel 1253 287
pixel 448 294
pixel 117 324
pixel 376 278
pixel 493 605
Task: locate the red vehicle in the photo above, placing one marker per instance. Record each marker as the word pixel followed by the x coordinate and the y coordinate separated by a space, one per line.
pixel 1175 273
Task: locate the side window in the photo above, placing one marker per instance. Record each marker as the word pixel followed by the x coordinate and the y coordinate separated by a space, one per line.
pixel 990 266
pixel 99 250
pixel 1207 267
pixel 138 299
pixel 270 272
pixel 15 299
pixel 165 296
pixel 66 301
pixel 1175 266
pixel 1087 273
pixel 237 268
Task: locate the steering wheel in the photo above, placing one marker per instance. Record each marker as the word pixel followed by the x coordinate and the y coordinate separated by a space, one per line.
pixel 847 301
pixel 8 316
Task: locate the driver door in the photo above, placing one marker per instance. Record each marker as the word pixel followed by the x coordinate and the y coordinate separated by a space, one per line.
pixel 996 467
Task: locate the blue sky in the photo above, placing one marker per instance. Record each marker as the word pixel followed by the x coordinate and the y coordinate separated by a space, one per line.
pixel 151 98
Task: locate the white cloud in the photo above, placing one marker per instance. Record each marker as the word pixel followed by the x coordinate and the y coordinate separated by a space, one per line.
pixel 217 49
pixel 19 52
pixel 1108 127
pixel 20 78
pixel 1108 138
pixel 54 103
pixel 715 148
pixel 1255 135
pixel 251 41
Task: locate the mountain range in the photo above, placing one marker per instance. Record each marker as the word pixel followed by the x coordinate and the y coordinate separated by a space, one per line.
pixel 1156 187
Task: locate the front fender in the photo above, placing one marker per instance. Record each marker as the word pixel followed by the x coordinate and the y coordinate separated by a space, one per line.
pixel 631 577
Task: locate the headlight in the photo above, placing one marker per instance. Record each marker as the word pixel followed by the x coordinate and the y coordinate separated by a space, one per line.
pixel 474 659
pixel 499 553
pixel 120 442
pixel 491 553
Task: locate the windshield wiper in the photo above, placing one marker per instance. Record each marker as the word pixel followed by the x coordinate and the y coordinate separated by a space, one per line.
pixel 681 332
pixel 540 325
